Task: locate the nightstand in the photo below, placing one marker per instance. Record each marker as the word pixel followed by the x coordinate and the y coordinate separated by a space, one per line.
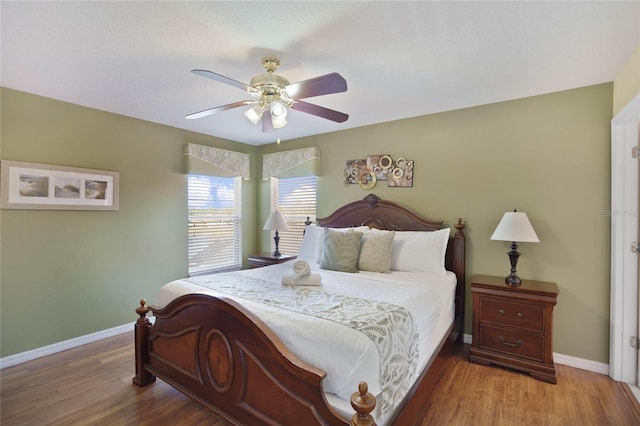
pixel 513 326
pixel 258 260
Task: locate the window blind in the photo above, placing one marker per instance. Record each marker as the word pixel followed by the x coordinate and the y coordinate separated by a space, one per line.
pixel 214 223
pixel 295 198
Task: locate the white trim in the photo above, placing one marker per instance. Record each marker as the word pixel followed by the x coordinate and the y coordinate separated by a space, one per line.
pixel 581 363
pixel 11 360
pixel 624 230
pixel 569 361
pixel 635 391
pixel 19 358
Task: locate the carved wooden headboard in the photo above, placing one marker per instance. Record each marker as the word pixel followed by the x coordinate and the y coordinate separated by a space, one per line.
pixel 377 213
pixel 381 214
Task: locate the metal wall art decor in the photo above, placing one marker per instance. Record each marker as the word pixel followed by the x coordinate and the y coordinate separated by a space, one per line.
pixel 374 168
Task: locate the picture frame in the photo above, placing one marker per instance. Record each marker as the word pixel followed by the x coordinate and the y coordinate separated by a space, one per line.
pixel 30 186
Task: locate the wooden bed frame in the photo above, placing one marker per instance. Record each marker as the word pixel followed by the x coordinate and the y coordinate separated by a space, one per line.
pixel 219 353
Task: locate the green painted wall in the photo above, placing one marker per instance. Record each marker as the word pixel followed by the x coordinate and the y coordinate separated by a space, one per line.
pixel 65 274
pixel 547 155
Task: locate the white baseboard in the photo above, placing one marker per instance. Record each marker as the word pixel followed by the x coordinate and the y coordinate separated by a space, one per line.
pixel 8 361
pixel 11 360
pixel 569 361
pixel 635 391
pixel 581 363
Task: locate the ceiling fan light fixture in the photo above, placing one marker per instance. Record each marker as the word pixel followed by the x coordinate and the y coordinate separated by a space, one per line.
pixel 278 122
pixel 278 110
pixel 254 113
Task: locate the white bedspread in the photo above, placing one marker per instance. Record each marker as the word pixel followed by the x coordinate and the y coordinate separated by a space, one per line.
pixel 347 355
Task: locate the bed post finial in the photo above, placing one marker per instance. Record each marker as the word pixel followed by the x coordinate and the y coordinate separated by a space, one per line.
pixel 364 403
pixel 459 226
pixel 141 337
pixel 142 310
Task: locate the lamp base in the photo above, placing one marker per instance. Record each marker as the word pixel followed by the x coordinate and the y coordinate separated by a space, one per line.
pixel 276 239
pixel 513 280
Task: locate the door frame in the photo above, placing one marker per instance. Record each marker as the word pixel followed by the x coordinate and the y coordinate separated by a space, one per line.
pixel 623 358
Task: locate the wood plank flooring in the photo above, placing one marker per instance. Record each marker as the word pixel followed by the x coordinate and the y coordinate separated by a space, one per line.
pixel 91 385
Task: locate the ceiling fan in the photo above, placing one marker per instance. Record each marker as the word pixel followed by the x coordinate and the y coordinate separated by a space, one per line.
pixel 275 94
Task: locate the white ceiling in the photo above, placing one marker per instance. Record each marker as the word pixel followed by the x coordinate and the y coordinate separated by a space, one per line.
pixel 400 59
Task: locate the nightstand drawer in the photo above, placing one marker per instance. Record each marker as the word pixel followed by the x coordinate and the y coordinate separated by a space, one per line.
pixel 520 344
pixel 521 315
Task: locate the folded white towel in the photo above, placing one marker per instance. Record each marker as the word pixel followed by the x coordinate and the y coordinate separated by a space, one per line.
pixel 301 275
pixel 300 269
pixel 311 279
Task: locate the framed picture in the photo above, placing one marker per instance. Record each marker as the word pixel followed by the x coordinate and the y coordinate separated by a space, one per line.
pixel 48 187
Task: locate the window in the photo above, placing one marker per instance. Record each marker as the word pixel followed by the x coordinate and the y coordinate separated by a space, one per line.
pixel 295 198
pixel 214 224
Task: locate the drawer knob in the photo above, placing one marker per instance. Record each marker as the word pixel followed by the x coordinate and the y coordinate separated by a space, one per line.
pixel 501 311
pixel 512 345
pixel 520 315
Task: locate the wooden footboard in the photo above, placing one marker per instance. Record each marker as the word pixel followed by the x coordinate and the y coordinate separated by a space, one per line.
pixel 220 354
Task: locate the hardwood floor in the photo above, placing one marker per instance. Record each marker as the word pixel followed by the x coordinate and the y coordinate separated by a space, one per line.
pixel 91 385
pixel 472 394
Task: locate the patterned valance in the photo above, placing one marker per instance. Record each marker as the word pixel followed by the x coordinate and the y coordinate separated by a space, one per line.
pixel 205 160
pixel 294 163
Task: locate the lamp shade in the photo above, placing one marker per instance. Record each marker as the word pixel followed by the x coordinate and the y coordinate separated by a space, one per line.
pixel 515 226
pixel 276 222
pixel 278 115
pixel 278 110
pixel 277 122
pixel 254 113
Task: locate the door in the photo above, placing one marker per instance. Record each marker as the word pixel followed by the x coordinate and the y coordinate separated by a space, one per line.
pixel 625 296
pixel 636 390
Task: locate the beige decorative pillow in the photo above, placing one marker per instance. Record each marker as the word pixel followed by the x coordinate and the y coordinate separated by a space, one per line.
pixel 375 251
pixel 321 236
pixel 340 250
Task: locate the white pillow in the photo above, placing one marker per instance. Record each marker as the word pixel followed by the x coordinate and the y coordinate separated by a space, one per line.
pixel 420 251
pixel 311 242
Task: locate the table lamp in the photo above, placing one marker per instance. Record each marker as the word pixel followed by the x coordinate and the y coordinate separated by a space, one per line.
pixel 276 222
pixel 514 227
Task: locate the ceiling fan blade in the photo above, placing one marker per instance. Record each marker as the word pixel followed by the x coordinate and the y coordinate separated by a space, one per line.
pixel 323 112
pixel 323 85
pixel 221 78
pixel 212 111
